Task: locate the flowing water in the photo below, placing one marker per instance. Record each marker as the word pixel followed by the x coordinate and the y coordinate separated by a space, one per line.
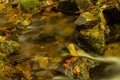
pixel 109 67
pixel 60 35
pixel 45 40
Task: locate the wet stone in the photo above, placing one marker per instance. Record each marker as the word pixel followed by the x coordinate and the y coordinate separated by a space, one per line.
pixel 8 72
pixel 8 46
pixel 97 26
pixel 92 40
pixel 84 4
pixel 75 69
pixel 27 5
pixel 69 7
pixel 87 18
pixel 113 21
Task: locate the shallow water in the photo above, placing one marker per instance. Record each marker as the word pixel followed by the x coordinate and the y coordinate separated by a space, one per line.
pixel 46 50
pixel 43 46
pixel 50 49
pixel 45 40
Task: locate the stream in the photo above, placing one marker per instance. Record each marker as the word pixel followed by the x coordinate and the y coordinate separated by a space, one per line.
pixel 48 48
pixel 58 43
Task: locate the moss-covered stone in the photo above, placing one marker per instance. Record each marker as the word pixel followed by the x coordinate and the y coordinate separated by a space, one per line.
pixel 92 40
pixel 75 68
pixel 84 4
pixel 8 47
pixel 8 72
pixel 27 5
pixel 89 19
pixel 97 24
pixel 90 31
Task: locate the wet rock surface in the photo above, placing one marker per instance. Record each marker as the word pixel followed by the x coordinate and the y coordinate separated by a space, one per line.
pixel 8 47
pixel 112 18
pixel 92 40
pixel 8 72
pixel 69 7
pixel 89 33
pixel 97 26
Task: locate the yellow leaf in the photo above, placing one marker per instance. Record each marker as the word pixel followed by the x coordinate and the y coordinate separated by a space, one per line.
pixel 72 49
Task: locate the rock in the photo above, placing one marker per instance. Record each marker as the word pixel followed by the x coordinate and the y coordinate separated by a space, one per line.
pixel 4 1
pixel 46 3
pixel 8 47
pixel 87 18
pixel 98 2
pixel 27 5
pixel 67 6
pixel 112 49
pixel 8 72
pixel 84 4
pixel 90 31
pixel 97 25
pixel 46 37
pixel 92 40
pixel 2 8
pixel 74 68
pixel 113 21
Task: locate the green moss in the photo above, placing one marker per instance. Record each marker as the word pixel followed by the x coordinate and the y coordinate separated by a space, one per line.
pixel 7 47
pixel 27 5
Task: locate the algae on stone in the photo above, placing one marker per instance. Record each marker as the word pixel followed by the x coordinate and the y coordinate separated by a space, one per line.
pixel 87 18
pixel 8 72
pixel 91 30
pixel 8 46
pixel 27 5
pixel 92 40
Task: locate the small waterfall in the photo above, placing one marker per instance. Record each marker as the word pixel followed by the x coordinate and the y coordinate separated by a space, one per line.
pixel 108 69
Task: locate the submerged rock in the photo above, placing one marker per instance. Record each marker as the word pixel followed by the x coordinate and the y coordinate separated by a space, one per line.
pixel 112 49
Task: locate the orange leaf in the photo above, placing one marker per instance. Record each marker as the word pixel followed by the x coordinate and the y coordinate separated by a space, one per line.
pixel 76 70
pixel 67 65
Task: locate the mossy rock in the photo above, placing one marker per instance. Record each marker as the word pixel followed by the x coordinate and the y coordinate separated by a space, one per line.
pixel 92 40
pixel 28 5
pixel 8 72
pixel 8 46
